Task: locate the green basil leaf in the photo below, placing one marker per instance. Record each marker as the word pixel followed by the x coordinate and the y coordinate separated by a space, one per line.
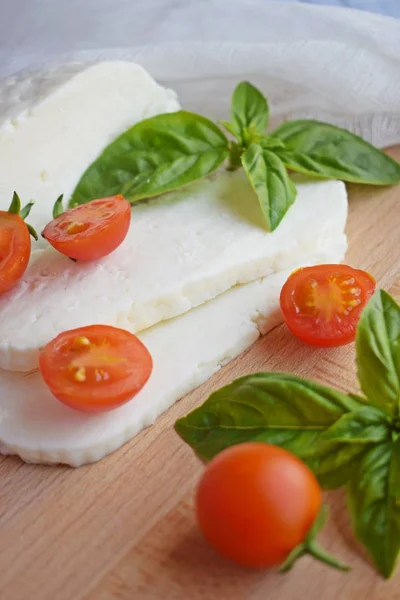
pixel 277 408
pixel 325 151
pixel 155 156
pixel 249 111
pixel 374 503
pixel 364 425
pixel 360 399
pixel 275 190
pixel 270 143
pixel 334 463
pixel 378 352
pixel 231 128
pixel 339 448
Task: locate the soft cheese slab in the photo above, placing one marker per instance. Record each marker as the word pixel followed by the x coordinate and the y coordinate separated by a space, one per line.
pixel 182 250
pixel 186 351
pixel 47 145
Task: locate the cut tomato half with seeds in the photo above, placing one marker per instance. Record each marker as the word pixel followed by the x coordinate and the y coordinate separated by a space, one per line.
pixel 15 243
pixel 92 230
pixel 95 368
pixel 322 304
pixel 15 249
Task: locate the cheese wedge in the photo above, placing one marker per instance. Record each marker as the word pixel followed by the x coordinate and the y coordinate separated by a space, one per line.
pixel 181 251
pixel 186 352
pixel 64 119
pixel 197 276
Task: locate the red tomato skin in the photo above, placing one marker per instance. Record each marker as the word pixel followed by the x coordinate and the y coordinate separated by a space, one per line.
pixel 321 335
pixel 15 254
pixel 96 242
pixel 323 343
pixel 88 398
pixel 256 502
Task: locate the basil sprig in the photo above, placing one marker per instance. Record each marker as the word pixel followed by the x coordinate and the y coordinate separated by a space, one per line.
pixel 249 114
pixel 167 151
pixel 346 439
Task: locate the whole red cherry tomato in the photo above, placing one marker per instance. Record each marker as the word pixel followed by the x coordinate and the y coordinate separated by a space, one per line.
pixel 256 502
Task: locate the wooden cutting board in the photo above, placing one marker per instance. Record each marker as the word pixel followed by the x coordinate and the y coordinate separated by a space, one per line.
pixel 124 528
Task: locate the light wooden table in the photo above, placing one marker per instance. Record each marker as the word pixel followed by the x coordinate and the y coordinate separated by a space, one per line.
pixel 124 528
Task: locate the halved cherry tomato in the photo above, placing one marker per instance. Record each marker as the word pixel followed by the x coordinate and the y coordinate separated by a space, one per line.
pixel 256 502
pixel 95 368
pixel 15 249
pixel 322 304
pixel 92 230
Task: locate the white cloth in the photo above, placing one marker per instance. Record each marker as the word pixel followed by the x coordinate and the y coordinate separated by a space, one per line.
pixel 331 63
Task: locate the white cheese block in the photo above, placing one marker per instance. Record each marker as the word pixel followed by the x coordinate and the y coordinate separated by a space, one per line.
pixel 65 119
pixel 186 351
pixel 182 250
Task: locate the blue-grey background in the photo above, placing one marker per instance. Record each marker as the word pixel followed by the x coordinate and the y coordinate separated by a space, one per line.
pixel 384 7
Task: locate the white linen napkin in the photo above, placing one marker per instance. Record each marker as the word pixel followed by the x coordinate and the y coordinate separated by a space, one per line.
pixel 334 64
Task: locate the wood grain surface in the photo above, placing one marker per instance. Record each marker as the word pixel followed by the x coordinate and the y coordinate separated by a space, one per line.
pixel 124 528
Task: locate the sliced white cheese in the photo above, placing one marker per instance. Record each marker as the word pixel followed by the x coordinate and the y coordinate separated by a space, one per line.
pixel 186 351
pixel 65 120
pixel 182 249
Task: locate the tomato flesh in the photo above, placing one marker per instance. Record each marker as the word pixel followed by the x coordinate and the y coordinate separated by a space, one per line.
pixel 92 230
pixel 95 368
pixel 322 304
pixel 256 502
pixel 15 249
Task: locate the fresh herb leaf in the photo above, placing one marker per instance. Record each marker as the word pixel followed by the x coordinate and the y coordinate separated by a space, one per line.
pixel 155 156
pixel 374 502
pixel 231 128
pixel 168 151
pixel 364 425
pixel 249 113
pixel 334 463
pixel 335 457
pixel 58 208
pixel 280 409
pixel 325 151
pixel 275 190
pixel 270 143
pixel 378 352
